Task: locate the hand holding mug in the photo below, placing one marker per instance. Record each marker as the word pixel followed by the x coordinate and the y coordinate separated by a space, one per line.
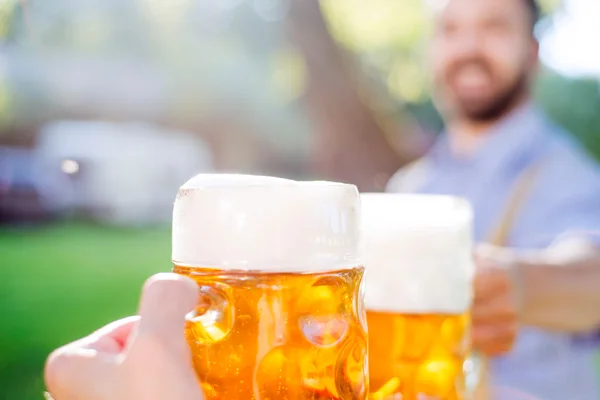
pixel 495 305
pixel 143 357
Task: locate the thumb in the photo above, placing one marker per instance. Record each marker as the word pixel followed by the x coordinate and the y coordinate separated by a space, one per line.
pixel 166 299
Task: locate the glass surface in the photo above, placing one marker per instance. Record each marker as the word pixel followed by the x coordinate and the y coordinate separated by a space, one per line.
pixel 281 311
pixel 279 335
pixel 417 356
pixel 418 251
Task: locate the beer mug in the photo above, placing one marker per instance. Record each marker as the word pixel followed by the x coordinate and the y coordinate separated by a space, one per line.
pixel 276 261
pixel 418 295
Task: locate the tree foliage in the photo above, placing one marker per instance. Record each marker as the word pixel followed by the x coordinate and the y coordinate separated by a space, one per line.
pixel 388 38
pixel 235 52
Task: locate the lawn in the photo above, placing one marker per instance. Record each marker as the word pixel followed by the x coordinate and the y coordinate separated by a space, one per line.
pixel 61 282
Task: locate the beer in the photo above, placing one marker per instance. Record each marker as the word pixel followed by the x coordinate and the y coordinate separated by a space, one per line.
pixel 418 355
pixel 417 251
pixel 281 311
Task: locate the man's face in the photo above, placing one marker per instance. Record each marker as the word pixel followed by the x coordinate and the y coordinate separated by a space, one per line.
pixel 483 55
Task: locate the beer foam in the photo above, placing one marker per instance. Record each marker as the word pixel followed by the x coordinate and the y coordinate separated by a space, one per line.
pixel 260 223
pixel 417 251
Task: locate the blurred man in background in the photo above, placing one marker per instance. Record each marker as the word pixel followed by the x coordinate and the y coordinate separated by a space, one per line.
pixel 536 197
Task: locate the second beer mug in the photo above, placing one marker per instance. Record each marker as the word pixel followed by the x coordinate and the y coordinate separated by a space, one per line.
pixel 281 313
pixel 418 295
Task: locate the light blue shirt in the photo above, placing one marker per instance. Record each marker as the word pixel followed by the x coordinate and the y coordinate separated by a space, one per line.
pixel 565 197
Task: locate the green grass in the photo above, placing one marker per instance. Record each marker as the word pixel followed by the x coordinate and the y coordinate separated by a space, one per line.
pixel 61 282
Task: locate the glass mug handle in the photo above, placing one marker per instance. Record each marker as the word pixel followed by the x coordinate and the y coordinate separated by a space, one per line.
pixel 476 378
pixel 473 369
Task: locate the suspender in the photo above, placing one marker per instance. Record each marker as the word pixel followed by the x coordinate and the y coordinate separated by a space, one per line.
pixel 499 237
pixel 409 178
pixel 518 196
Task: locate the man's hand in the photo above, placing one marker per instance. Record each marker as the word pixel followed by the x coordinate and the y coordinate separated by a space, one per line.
pixel 558 287
pixel 143 357
pixel 495 307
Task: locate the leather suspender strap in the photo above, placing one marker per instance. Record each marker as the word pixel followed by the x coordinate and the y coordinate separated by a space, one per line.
pixel 500 233
pixel 499 237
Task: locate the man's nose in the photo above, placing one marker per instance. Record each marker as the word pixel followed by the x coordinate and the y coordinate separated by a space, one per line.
pixel 469 43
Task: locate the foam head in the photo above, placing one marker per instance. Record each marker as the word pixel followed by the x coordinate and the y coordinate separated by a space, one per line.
pixel 417 251
pixel 246 222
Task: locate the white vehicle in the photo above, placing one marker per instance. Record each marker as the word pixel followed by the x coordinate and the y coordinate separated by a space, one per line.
pixel 123 173
pixel 30 190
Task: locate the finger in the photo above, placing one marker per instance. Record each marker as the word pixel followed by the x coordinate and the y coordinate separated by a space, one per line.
pixel 500 309
pixel 68 367
pixel 166 299
pixel 112 337
pixel 75 372
pixel 490 283
pixel 494 340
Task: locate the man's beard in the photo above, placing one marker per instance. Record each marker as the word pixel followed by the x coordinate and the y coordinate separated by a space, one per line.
pixel 496 106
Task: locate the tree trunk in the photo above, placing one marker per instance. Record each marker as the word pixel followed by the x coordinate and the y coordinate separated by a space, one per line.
pixel 349 144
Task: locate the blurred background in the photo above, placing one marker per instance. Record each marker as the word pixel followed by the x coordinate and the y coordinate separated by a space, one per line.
pixel 108 106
